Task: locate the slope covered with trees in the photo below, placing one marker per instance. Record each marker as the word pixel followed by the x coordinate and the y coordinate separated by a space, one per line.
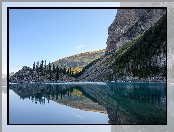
pixel 141 59
pixel 146 56
pixel 78 60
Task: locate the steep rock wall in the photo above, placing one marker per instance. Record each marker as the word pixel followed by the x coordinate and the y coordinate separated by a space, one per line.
pixel 129 24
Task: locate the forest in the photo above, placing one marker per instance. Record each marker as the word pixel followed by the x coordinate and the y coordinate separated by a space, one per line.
pixel 140 58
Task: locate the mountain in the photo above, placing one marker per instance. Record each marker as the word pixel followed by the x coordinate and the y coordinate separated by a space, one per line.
pixel 58 71
pixel 78 60
pixel 136 51
pixel 129 24
pixel 140 59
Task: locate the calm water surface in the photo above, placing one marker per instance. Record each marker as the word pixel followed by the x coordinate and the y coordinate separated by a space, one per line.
pixel 87 103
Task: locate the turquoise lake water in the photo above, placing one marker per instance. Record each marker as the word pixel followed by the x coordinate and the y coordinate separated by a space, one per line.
pixel 87 103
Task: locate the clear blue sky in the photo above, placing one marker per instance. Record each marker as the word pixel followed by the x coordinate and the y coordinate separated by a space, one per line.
pixel 52 34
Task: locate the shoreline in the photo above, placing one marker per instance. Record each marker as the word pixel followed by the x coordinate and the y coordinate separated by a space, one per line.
pixel 81 82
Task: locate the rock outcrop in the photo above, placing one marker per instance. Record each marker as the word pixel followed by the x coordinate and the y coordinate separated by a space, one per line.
pixel 125 56
pixel 129 24
pixel 27 74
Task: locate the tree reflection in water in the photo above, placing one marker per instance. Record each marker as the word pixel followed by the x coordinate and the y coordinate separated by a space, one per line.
pixel 125 103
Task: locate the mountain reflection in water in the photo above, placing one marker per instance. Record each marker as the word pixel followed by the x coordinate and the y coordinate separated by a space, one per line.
pixel 125 103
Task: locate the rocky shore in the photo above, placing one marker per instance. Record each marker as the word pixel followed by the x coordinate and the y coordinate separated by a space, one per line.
pixel 136 79
pixel 27 74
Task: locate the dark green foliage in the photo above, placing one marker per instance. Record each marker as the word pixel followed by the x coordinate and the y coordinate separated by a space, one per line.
pixel 134 58
pixel 57 73
pixel 34 66
pixel 50 72
pixel 41 67
pixel 64 70
pixel 70 71
pixel 54 69
pixel 37 67
pixel 45 66
pixel 137 58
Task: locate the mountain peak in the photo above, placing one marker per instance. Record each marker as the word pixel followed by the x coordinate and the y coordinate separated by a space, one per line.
pixel 129 24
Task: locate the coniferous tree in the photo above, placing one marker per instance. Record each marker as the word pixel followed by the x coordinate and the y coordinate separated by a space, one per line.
pixel 34 66
pixel 64 70
pixel 45 69
pixel 54 70
pixel 37 66
pixel 50 71
pixel 41 66
pixel 60 70
pixel 45 66
pixel 70 71
pixel 57 73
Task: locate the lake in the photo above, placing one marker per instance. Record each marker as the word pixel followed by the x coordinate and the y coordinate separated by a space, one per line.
pixel 87 103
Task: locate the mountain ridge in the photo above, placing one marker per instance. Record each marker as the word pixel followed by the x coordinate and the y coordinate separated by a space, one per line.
pixel 126 57
pixel 89 52
pixel 79 60
pixel 112 68
pixel 129 24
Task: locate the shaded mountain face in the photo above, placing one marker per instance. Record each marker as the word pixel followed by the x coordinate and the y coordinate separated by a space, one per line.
pixel 142 59
pixel 129 24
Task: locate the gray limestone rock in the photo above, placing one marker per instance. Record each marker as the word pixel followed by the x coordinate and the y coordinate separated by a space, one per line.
pixel 129 24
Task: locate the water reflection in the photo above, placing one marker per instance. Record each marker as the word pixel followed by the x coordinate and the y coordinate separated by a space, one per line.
pixel 125 103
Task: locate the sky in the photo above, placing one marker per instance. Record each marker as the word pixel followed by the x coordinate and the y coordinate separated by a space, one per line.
pixel 52 34
pixel 43 128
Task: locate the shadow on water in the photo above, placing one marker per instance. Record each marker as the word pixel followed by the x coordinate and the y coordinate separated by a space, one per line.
pixel 125 103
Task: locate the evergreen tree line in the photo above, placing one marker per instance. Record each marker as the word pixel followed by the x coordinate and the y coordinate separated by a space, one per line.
pixel 137 60
pixel 43 70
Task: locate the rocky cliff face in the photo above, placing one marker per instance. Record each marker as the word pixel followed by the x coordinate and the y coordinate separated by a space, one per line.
pixel 148 50
pixel 124 19
pixel 129 24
